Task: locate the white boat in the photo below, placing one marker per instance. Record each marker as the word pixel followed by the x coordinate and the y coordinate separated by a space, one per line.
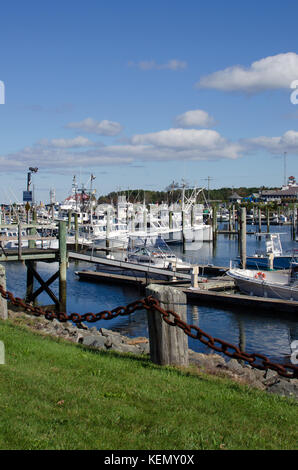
pixel 273 248
pixel 151 251
pixel 273 284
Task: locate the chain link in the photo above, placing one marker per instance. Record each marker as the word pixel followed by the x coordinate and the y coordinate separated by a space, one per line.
pixel 258 361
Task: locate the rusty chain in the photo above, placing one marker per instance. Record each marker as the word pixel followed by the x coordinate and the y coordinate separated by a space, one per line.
pixel 258 361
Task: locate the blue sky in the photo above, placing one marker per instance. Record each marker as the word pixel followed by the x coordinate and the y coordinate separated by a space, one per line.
pixel 144 93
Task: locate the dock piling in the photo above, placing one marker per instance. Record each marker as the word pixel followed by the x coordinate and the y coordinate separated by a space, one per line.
pixel 62 265
pixel 168 344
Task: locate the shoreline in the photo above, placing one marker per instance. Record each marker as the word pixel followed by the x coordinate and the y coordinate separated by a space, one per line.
pixel 109 340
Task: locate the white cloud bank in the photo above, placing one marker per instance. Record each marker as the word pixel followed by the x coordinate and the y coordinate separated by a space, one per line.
pixel 194 118
pixel 269 73
pixel 175 144
pixel 166 145
pixel 91 126
pixel 76 142
pixel 288 142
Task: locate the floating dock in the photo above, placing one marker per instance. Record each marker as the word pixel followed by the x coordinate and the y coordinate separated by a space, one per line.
pixel 97 276
pixel 240 300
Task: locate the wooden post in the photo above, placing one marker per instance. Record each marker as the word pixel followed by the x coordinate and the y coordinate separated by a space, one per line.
pixel 69 219
pixel 108 229
pixel 171 219
pixel 62 265
pixel 214 222
pixel 30 279
pixel 168 344
pixel 194 276
pixel 294 223
pixel 233 218
pixel 268 219
pixel 243 238
pixel 260 222
pixel 19 241
pixel 183 230
pixel 3 302
pixel 76 233
pixel 230 220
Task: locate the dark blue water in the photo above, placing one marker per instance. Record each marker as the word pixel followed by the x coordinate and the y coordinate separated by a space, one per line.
pixel 254 331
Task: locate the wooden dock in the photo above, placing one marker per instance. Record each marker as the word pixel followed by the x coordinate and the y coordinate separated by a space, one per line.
pixel 241 301
pixel 96 276
pixel 33 254
pixel 148 270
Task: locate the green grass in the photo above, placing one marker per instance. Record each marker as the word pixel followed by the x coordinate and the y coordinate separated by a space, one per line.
pixel 59 395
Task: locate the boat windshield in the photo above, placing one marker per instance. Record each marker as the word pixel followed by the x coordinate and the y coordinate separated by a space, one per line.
pixel 153 245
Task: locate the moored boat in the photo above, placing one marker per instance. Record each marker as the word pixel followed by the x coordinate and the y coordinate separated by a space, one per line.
pixel 274 284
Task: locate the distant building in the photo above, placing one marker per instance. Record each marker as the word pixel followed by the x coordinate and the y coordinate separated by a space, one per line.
pixel 235 198
pixel 288 192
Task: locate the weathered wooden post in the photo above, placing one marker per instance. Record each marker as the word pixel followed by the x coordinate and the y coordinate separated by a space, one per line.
pixel 170 219
pixel 230 220
pixel 268 219
pixel 76 233
pixel 214 222
pixel 233 218
pixel 183 230
pixel 30 263
pixel 62 265
pixel 243 238
pixel 108 229
pixel 294 223
pixel 69 214
pixel 168 344
pixel 19 241
pixel 194 276
pixel 260 222
pixel 3 302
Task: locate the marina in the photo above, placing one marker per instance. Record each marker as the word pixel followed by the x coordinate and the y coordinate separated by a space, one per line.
pixel 215 307
pixel 88 256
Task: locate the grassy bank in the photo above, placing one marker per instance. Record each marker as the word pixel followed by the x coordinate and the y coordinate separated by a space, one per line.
pixel 59 395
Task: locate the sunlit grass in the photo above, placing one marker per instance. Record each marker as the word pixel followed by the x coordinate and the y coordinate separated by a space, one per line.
pixel 59 395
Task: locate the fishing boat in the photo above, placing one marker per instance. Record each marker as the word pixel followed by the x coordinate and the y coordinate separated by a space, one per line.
pixel 151 251
pixel 273 284
pixel 154 251
pixel 273 251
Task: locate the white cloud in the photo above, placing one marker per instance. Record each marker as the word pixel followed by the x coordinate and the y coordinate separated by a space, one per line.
pixel 105 127
pixel 76 142
pixel 288 142
pixel 173 64
pixel 166 145
pixel 194 118
pixel 194 144
pixel 269 73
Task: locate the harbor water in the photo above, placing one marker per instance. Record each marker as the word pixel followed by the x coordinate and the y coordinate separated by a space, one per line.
pixel 254 331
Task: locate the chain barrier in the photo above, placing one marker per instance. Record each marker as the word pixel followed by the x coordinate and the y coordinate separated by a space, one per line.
pixel 258 361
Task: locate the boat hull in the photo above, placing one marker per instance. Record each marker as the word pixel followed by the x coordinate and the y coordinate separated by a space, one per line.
pixel 254 284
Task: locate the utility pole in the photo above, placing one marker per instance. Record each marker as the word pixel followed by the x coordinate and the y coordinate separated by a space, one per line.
pixel 208 179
